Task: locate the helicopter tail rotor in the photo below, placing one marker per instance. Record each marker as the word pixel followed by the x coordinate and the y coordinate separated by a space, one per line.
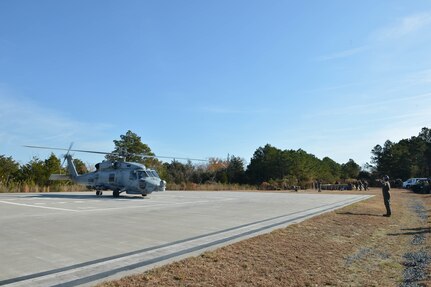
pixel 67 154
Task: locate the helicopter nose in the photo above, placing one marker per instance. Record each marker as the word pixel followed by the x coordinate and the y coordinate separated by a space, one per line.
pixel 162 186
pixel 148 184
pixel 142 184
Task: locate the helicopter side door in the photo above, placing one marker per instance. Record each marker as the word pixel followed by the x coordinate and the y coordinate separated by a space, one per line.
pixel 107 179
pixel 132 180
pixel 122 179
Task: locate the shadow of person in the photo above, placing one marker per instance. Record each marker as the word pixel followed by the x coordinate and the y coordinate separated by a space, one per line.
pixel 351 213
pixel 412 231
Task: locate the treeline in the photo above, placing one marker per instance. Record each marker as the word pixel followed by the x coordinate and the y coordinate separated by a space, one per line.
pixel 269 167
pixel 34 176
pixel 404 159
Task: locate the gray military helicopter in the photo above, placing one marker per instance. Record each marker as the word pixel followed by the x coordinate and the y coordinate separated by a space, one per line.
pixel 118 176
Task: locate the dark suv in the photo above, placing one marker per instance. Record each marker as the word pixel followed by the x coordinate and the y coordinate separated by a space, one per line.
pixel 422 186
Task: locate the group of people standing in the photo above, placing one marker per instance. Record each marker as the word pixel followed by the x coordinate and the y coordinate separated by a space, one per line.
pixel 361 185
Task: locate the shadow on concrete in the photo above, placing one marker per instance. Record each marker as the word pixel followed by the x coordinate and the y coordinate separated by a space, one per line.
pixel 89 196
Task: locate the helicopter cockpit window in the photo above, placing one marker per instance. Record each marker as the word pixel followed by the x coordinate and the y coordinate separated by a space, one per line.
pixel 154 173
pixel 142 174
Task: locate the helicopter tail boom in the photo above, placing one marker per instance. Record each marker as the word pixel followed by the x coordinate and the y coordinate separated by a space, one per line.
pixel 59 177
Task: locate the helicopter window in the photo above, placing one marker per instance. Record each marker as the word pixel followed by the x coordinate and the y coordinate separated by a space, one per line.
pixel 142 174
pixel 133 175
pixel 111 177
pixel 154 173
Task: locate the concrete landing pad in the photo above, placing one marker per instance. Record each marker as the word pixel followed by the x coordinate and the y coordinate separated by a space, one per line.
pixel 71 239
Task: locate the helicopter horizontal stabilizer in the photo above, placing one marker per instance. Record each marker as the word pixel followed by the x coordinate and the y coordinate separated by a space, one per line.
pixel 59 177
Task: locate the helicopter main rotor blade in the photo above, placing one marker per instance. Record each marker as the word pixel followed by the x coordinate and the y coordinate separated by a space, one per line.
pixel 115 153
pixel 77 150
pixel 172 157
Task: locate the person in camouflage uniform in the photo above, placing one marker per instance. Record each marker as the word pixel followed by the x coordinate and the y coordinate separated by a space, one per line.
pixel 386 187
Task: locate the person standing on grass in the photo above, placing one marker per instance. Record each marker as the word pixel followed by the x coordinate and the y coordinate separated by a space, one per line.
pixel 366 185
pixel 386 187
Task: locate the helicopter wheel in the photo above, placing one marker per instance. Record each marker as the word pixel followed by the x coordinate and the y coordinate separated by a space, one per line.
pixel 116 193
pixel 144 195
pixel 99 192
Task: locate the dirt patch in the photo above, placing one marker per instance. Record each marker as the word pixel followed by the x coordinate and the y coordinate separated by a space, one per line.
pixel 353 246
pixel 416 263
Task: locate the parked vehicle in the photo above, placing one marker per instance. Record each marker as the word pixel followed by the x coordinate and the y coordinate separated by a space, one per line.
pixel 422 186
pixel 412 181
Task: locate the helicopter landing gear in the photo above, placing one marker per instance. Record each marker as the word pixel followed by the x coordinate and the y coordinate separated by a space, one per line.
pixel 116 193
pixel 99 192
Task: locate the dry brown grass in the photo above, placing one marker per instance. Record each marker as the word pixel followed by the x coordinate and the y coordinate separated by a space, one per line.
pixel 353 246
pixel 31 187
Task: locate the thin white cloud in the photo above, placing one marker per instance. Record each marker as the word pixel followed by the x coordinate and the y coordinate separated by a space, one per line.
pixel 230 110
pixel 420 77
pixel 330 88
pixel 359 148
pixel 352 142
pixel 400 28
pixel 21 118
pixel 342 54
pixel 24 122
pixel 371 107
pixel 352 138
pixel 404 26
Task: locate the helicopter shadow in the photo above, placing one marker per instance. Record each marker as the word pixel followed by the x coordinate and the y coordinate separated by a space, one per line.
pixel 86 196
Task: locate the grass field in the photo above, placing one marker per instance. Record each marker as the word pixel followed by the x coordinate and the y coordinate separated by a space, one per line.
pixel 353 246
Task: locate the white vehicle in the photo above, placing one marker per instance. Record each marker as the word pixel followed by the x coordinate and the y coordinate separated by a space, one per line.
pixel 412 181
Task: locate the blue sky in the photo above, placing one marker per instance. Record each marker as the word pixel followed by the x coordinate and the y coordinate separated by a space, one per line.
pixel 210 78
